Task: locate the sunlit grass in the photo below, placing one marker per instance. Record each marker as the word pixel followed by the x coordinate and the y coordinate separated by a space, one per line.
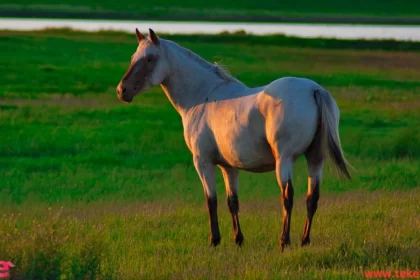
pixel 352 233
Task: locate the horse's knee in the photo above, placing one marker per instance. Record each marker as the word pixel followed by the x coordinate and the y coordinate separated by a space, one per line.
pixel 233 203
pixel 212 206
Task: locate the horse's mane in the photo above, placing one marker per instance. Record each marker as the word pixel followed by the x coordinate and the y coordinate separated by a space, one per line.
pixel 216 68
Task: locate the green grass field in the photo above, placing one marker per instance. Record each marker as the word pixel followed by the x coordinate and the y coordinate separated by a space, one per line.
pixel 219 9
pixel 91 188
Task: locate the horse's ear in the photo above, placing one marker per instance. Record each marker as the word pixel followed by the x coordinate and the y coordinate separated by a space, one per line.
pixel 153 37
pixel 140 37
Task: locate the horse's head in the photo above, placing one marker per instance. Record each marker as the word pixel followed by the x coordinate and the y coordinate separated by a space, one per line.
pixel 148 67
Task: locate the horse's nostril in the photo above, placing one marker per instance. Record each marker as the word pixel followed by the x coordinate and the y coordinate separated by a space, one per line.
pixel 124 90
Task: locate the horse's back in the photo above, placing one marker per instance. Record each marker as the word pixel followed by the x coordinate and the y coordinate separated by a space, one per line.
pixel 291 89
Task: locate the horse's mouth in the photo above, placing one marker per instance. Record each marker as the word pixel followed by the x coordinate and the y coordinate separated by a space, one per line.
pixel 128 101
pixel 125 99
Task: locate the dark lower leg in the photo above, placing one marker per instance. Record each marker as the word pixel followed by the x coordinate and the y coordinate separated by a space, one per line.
pixel 311 205
pixel 214 224
pixel 233 204
pixel 287 201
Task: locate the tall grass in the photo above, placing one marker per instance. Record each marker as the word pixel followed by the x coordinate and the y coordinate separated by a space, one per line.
pixel 352 233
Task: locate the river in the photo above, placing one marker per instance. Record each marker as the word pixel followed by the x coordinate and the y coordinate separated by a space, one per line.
pixel 341 31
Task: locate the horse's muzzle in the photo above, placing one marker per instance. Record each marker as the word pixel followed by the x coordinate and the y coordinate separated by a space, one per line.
pixel 122 94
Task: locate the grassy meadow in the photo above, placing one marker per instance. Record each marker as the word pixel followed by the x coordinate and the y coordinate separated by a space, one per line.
pixel 91 188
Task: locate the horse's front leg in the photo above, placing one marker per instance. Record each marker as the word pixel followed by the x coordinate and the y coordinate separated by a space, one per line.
pixel 230 176
pixel 206 172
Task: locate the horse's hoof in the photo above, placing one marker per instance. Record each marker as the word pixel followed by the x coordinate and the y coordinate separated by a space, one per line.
pixel 284 243
pixel 239 239
pixel 214 241
pixel 306 242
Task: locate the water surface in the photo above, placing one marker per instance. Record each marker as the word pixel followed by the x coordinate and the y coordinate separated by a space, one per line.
pixel 342 31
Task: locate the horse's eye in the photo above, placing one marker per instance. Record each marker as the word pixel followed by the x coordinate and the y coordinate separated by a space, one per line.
pixel 149 59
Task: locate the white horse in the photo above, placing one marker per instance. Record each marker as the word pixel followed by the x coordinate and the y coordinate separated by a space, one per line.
pixel 234 127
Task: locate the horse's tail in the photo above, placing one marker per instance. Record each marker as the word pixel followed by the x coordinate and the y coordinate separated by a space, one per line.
pixel 329 119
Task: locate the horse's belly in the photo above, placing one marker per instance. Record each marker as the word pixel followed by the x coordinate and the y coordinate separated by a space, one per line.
pixel 250 155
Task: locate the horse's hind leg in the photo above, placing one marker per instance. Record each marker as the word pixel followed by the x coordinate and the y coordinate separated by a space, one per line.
pixel 315 161
pixel 230 176
pixel 284 169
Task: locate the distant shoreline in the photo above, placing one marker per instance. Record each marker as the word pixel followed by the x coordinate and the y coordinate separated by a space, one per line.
pixel 220 18
pixel 239 37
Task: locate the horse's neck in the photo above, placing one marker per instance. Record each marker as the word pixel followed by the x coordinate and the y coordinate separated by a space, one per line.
pixel 188 83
